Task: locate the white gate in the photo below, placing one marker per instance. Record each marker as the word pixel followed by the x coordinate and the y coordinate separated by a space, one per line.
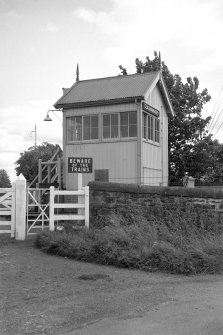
pixel 37 210
pixel 81 205
pixel 7 210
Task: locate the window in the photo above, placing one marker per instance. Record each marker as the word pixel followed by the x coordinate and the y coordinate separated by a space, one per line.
pixel 151 128
pixel 145 126
pixel 74 129
pixel 157 130
pixel 110 126
pixel 90 127
pixel 128 124
pixel 82 128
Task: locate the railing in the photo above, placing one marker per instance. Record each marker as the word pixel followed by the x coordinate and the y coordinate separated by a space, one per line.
pixel 81 206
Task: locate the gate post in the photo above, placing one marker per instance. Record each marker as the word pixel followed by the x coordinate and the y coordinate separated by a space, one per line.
pixel 20 210
pixel 51 223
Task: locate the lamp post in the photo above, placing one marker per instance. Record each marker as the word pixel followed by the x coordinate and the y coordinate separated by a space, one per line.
pixel 35 132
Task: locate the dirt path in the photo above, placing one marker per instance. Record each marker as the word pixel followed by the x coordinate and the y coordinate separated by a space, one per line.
pixel 43 294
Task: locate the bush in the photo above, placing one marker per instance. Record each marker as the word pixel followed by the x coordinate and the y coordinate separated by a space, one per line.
pixel 164 238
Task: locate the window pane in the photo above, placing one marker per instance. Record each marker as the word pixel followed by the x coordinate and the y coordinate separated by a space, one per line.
pixel 157 130
pixel 124 119
pixel 132 118
pixel 94 133
pixel 86 121
pixel 87 133
pixel 114 131
pixel 78 128
pixel 144 126
pixel 94 121
pixel 150 127
pixel 106 120
pixel 114 119
pixel 70 126
pixel 124 131
pixel 106 132
pixel 132 131
pixel 86 127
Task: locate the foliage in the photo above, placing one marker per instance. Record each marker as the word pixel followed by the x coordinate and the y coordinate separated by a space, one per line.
pixel 4 179
pixel 183 239
pixel 187 134
pixel 27 164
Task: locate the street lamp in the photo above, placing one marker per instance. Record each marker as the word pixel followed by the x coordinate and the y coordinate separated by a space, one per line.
pixel 48 118
pixel 35 132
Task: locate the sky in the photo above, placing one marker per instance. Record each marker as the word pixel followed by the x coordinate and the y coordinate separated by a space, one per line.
pixel 43 40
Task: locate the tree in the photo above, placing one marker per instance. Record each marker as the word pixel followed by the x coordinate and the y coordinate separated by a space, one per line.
pixel 27 164
pixel 187 129
pixel 4 179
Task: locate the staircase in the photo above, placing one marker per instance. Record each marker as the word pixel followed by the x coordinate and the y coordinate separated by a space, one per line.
pixel 49 173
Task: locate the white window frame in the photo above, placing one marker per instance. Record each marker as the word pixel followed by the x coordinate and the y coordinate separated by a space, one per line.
pixel 155 138
pixel 110 125
pixel 119 138
pixel 82 129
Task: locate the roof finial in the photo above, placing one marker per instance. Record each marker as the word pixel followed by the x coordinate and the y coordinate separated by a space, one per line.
pixel 77 73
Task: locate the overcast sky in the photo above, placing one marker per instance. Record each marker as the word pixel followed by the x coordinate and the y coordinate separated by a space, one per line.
pixel 43 40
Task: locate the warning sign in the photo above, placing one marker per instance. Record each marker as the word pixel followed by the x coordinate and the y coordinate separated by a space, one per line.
pixel 80 165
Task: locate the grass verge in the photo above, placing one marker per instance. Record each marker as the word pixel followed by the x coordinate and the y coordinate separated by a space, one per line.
pixel 181 240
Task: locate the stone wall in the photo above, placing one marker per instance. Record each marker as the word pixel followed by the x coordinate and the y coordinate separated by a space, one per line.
pixel 109 196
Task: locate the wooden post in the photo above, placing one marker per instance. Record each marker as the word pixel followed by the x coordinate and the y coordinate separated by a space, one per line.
pixel 49 173
pixel 20 233
pixel 86 206
pixel 79 181
pixel 51 224
pixel 80 197
pixel 13 209
pixel 40 171
pixel 59 172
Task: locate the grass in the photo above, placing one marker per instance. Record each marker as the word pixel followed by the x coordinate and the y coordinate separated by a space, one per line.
pixel 186 240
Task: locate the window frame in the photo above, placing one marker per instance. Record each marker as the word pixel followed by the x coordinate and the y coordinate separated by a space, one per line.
pixel 120 137
pixel 110 127
pixel 82 128
pixel 151 134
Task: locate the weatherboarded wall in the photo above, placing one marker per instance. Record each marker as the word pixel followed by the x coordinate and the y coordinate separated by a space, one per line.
pixel 117 156
pixel 154 155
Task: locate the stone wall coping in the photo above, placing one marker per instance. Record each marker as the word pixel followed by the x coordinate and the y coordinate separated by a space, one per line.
pixel 158 190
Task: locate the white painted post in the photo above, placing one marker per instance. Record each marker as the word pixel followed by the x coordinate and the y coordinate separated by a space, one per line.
pixel 86 206
pixel 79 181
pixel 20 214
pixel 80 197
pixel 51 224
pixel 13 209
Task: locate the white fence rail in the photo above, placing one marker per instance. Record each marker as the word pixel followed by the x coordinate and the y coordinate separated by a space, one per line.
pixel 7 210
pixel 82 206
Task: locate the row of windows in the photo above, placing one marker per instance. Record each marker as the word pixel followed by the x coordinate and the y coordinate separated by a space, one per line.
pixel 151 128
pixel 114 126
pixel 117 125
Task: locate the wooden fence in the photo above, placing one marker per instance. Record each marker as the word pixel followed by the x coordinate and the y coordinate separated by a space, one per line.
pixel 81 206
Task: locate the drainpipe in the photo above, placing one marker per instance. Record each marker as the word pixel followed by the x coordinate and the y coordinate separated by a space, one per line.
pixel 139 141
pixel 162 144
